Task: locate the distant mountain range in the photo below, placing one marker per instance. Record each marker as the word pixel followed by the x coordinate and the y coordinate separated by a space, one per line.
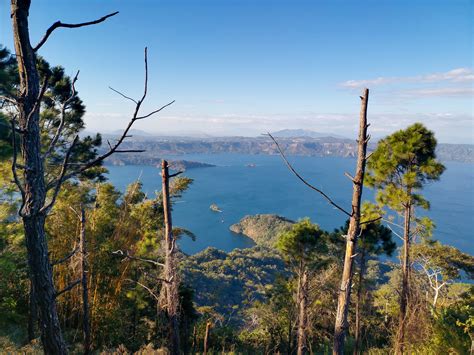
pixel 289 133
pixel 157 147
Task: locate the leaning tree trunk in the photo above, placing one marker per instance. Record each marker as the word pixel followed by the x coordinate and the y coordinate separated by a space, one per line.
pixel 34 193
pixel 170 275
pixel 359 304
pixel 302 312
pixel 341 324
pixel 85 291
pixel 400 345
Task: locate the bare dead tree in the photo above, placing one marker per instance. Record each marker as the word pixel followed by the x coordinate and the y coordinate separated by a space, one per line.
pixel 206 336
pixel 434 275
pixel 169 292
pixel 353 232
pixel 37 192
pixel 354 215
pixel 359 302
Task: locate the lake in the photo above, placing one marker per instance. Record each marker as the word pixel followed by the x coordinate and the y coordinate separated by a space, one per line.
pixel 269 187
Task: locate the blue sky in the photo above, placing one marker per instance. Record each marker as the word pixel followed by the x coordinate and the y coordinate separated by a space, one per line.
pixel 247 67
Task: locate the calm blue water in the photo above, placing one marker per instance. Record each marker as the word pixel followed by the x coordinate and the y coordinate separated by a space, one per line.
pixel 270 188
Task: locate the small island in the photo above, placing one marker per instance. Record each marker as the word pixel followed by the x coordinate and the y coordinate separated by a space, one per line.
pixel 263 229
pixel 215 208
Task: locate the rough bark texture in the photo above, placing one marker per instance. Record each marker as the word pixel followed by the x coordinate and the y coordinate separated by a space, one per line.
pixel 85 291
pixel 341 324
pixel 405 281
pixel 170 295
pixel 32 314
pixel 359 303
pixel 302 312
pixel 33 182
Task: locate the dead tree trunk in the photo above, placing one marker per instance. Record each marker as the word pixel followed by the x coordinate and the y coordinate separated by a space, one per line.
pixel 341 324
pixel 170 285
pixel 400 346
pixel 302 312
pixel 85 291
pixel 206 337
pixel 33 189
pixel 359 303
pixel 193 346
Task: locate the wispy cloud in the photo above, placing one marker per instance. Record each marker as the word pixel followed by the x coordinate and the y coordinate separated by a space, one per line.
pixel 458 75
pixel 443 92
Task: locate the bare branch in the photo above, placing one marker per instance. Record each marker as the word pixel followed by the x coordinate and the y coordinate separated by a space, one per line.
pixel 135 117
pixel 156 111
pixel 175 174
pixel 67 257
pixel 59 130
pixel 68 288
pixel 150 291
pixel 145 89
pixel 304 181
pixel 38 100
pixel 60 179
pixel 9 99
pixel 158 278
pixel 371 220
pixel 126 255
pixel 15 155
pixel 130 151
pixel 58 24
pixel 350 177
pixel 396 234
pixel 14 166
pixel 123 95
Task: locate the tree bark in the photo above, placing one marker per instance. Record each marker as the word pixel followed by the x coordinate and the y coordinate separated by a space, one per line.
pixel 85 291
pixel 341 323
pixel 206 337
pixel 33 314
pixel 302 312
pixel 33 182
pixel 358 307
pixel 400 345
pixel 170 286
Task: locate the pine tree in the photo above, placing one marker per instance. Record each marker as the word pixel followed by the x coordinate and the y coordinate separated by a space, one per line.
pixel 399 167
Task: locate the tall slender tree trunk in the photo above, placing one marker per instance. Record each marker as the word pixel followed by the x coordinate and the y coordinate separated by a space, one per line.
pixel 170 275
pixel 193 345
pixel 85 291
pixel 404 294
pixel 341 323
pixel 32 314
pixel 206 337
pixel 359 303
pixel 33 182
pixel 303 312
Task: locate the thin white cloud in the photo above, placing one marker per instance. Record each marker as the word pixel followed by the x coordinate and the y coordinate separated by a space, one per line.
pixel 442 92
pixel 458 75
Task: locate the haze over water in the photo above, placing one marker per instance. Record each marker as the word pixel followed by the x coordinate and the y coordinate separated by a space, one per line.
pixel 269 187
